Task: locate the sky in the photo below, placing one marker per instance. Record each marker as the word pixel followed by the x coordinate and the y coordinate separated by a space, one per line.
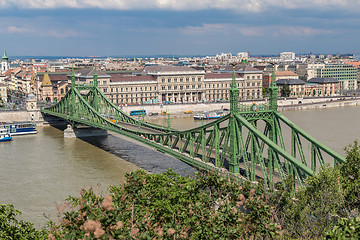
pixel 177 27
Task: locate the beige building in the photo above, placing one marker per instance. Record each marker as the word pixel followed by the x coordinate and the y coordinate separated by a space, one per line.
pixel 3 93
pixel 173 84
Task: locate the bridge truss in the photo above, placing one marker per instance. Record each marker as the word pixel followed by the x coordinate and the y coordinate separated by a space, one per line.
pixel 248 143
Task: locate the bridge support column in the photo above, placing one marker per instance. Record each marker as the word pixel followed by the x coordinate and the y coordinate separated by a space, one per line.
pixel 71 132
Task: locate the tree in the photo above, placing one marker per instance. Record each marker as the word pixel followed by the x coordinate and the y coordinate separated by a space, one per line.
pixel 168 206
pixel 11 228
pixel 285 91
pixel 265 91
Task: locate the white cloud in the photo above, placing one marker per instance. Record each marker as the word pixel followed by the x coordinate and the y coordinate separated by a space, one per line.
pixel 14 29
pixel 238 5
pixel 60 34
pixel 302 31
pixel 45 31
pixel 205 29
pixel 253 31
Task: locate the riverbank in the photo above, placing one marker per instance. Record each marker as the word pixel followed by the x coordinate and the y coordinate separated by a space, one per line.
pixel 177 110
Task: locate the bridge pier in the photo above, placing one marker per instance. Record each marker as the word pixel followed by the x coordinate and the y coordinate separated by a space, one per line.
pixel 71 132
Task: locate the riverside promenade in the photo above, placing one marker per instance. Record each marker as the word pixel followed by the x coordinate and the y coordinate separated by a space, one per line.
pixel 177 110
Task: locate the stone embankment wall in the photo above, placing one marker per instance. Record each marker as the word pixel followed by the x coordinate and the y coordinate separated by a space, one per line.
pixel 199 107
pixel 20 116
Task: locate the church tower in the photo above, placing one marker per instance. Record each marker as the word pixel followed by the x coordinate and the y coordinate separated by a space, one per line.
pixel 5 65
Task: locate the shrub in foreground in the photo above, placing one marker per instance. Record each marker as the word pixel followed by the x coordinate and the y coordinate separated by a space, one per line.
pixel 168 206
pixel 13 229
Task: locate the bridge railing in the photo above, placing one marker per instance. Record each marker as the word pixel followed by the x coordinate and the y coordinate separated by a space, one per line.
pixel 254 107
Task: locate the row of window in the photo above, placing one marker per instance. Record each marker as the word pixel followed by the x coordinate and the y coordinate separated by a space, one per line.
pixel 180 79
pixel 253 77
pixel 180 87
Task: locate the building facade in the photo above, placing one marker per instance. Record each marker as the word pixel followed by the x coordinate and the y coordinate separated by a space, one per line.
pixel 346 74
pixel 3 93
pixel 180 84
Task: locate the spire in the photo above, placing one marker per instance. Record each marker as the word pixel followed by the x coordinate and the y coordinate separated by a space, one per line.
pixel 234 94
pixel 273 92
pixel 95 77
pixel 72 78
pixel 46 80
pixel 5 57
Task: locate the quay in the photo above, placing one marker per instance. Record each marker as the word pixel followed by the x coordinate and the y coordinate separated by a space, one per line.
pixel 177 110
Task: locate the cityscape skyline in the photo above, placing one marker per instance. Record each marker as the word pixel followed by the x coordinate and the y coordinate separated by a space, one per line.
pixel 147 28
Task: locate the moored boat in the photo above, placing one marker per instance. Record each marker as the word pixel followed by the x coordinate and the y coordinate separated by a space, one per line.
pixel 5 135
pixel 20 128
pixel 208 115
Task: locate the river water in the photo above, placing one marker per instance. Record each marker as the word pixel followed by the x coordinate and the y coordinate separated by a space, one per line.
pixel 39 171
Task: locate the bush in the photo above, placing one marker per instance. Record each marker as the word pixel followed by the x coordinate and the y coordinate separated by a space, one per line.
pixel 168 206
pixel 13 229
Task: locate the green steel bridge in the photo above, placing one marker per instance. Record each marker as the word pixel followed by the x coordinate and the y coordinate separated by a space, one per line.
pixel 248 143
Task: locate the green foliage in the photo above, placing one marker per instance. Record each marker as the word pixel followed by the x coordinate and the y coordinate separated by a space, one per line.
pixel 169 206
pixel 265 91
pixel 329 203
pixel 285 91
pixel 13 229
pixel 350 173
pixel 345 229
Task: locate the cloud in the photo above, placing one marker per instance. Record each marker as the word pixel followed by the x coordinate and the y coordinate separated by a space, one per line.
pixel 14 29
pixel 60 34
pixel 238 5
pixel 205 29
pixel 44 31
pixel 254 31
pixel 302 31
pixel 225 28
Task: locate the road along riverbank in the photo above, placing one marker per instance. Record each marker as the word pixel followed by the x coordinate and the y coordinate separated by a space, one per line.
pixel 177 110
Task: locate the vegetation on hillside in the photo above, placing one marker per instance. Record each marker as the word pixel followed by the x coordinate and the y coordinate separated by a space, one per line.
pixel 208 206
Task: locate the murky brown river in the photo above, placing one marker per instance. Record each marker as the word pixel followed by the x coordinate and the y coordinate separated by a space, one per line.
pixel 38 171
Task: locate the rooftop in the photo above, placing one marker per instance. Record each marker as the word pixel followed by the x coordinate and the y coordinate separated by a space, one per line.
pixel 290 82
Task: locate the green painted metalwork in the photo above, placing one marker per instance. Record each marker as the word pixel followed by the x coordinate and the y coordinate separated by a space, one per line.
pixel 235 144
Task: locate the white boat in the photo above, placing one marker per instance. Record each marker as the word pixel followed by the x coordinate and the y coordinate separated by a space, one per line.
pixel 208 115
pixel 20 128
pixel 5 135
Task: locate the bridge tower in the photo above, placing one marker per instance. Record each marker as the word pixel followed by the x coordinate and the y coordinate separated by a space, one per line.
pixel 72 107
pixel 95 100
pixel 273 91
pixel 234 109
